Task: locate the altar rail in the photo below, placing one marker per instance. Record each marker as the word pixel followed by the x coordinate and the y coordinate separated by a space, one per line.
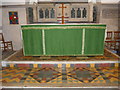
pixel 113 41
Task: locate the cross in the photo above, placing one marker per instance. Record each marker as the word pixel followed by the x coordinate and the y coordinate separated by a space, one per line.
pixel 62 12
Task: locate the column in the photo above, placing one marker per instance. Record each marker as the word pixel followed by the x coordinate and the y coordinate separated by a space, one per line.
pixel 35 14
pixel 99 11
pixel 90 17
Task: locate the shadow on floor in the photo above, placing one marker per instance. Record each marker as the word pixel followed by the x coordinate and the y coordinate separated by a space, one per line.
pixel 7 53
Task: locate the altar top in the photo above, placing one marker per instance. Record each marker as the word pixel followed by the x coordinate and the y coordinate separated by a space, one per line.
pixel 65 24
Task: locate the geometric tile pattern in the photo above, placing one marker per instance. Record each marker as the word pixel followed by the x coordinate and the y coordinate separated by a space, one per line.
pixel 83 75
pixel 45 75
pixel 13 74
pixel 111 75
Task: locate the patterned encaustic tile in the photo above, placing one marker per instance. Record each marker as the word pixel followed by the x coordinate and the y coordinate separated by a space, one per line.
pixel 58 75
pixel 63 65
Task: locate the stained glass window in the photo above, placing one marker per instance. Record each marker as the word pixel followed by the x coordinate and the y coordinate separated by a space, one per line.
pixel 84 13
pixel 72 13
pixel 46 13
pixel 78 13
pixel 13 17
pixel 30 14
pixel 41 15
pixel 52 13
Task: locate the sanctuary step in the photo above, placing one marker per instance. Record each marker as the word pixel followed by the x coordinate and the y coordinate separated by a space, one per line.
pixel 108 55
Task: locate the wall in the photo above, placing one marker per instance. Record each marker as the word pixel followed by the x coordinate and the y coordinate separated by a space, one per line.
pixel 0 16
pixel 109 16
pixel 13 32
pixel 67 12
pixel 13 2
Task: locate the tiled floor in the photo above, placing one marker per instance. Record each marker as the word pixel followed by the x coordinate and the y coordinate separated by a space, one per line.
pixel 79 76
pixel 61 75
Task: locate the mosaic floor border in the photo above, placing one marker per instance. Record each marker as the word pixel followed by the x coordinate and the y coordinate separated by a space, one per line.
pixel 35 65
pixel 60 77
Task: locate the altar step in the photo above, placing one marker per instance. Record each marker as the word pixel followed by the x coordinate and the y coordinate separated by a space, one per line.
pixel 18 56
pixel 64 64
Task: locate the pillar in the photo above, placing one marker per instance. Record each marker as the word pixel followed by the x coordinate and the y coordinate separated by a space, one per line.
pixel 35 14
pixel 90 18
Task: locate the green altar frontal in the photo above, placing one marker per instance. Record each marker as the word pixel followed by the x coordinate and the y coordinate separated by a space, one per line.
pixel 72 39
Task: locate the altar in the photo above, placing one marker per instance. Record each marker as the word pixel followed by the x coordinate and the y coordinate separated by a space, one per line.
pixel 63 39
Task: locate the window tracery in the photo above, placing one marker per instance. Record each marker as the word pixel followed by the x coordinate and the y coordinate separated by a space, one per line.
pixel 52 13
pixel 84 13
pixel 78 13
pixel 46 13
pixel 73 13
pixel 30 14
pixel 41 15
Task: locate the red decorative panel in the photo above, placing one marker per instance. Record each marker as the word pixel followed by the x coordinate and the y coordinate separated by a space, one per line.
pixel 23 65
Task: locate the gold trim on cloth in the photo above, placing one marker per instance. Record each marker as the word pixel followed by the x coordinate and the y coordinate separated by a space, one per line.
pixel 69 27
